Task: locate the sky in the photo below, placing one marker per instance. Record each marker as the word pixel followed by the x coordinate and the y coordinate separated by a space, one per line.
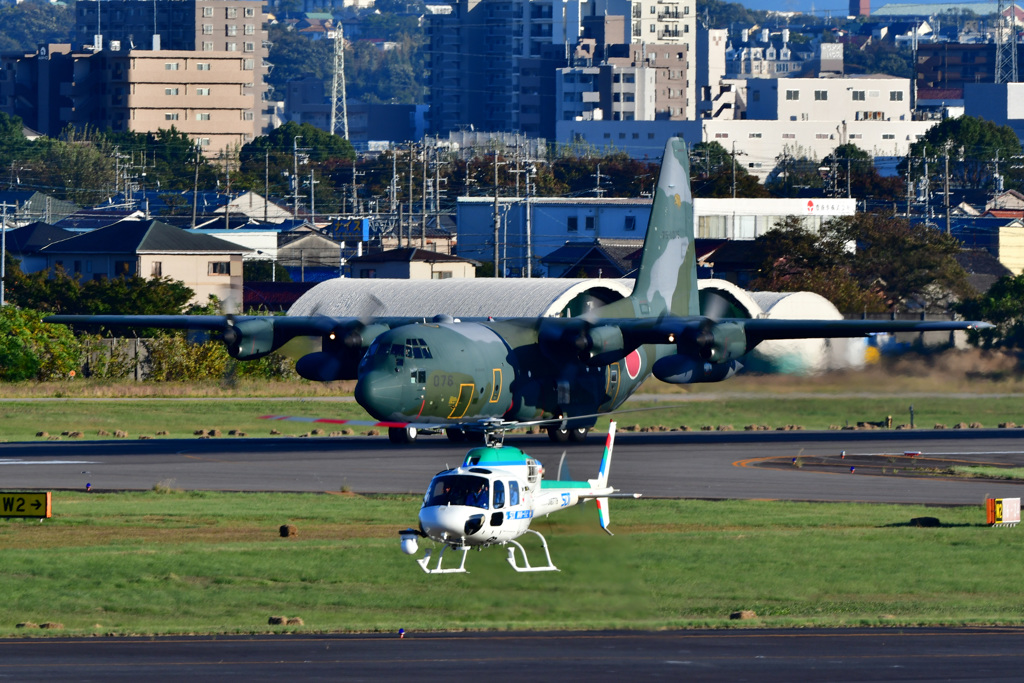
pixel 835 8
pixel 819 7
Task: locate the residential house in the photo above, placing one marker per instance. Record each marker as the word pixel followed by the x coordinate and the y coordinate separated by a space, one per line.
pixel 412 264
pixel 149 248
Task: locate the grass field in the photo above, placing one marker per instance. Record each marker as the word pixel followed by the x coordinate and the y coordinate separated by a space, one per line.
pixel 179 562
pixel 949 388
pixel 180 418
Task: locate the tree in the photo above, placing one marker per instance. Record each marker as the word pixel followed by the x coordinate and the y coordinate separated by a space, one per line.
pixel 272 156
pixel 716 173
pixel 913 265
pixel 14 146
pixel 792 175
pixel 797 260
pixel 973 145
pixel 169 155
pixel 895 265
pixel 294 56
pixel 78 166
pixel 33 350
pixel 64 293
pixel 1003 306
pixel 880 57
pixel 854 171
pixel 264 270
pixel 28 25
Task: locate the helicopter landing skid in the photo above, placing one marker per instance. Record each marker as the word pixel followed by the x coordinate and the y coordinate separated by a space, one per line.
pixel 424 562
pixel 544 544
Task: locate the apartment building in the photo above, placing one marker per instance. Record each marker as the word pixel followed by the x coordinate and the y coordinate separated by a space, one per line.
pixel 186 25
pixel 207 95
pixel 953 65
pixel 489 59
pixel 794 117
pixel 668 22
pixel 647 83
pixel 199 65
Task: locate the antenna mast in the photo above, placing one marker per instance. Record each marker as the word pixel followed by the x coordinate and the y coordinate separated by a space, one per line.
pixel 339 105
pixel 1006 44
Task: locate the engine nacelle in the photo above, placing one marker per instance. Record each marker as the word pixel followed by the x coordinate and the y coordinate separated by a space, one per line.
pixel 683 369
pixel 722 342
pixel 327 366
pixel 604 345
pixel 342 350
pixel 249 339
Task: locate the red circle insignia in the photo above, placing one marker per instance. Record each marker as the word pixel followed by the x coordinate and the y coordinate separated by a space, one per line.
pixel 633 364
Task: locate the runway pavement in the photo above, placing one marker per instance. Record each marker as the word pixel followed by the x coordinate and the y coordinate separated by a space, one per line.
pixel 672 464
pixel 766 656
pixel 698 465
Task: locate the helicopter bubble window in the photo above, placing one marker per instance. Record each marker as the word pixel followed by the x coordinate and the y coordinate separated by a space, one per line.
pixel 458 489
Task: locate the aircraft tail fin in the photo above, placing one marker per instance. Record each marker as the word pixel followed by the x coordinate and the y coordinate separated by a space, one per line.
pixel 666 281
pixel 606 459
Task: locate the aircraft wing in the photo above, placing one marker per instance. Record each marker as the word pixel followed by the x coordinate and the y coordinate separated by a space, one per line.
pixel 252 336
pixel 711 350
pixel 702 335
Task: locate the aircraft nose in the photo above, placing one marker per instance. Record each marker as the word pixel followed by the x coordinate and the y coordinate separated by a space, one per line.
pixel 445 523
pixel 380 393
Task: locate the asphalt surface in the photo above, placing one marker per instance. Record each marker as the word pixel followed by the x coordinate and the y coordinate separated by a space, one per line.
pixel 751 465
pixel 696 465
pixel 766 656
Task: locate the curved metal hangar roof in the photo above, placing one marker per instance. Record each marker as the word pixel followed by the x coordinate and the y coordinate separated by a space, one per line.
pixel 458 297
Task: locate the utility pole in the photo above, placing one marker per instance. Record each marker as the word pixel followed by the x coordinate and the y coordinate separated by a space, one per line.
pixel 195 185
pixel 412 148
pixel 910 183
pixel 227 176
pixel 598 191
pixel 529 226
pixel 945 183
pixel 312 196
pixel 355 193
pixel 295 177
pixel 3 252
pixel 497 218
pixel 266 185
pixel 734 169
pixel 394 193
pixel 423 218
pixel 927 191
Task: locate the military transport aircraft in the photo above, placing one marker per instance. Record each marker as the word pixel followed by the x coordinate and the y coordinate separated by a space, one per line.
pixel 492 498
pixel 468 377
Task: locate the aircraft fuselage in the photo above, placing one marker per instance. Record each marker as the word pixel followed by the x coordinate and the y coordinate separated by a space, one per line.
pixel 455 372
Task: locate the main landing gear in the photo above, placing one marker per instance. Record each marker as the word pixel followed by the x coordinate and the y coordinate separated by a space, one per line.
pixel 574 434
pixel 402 435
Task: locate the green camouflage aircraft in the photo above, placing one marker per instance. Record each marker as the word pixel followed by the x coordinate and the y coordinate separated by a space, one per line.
pixel 472 377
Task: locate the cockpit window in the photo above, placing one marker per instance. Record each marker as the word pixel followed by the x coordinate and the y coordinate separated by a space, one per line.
pixel 458 489
pixel 513 493
pixel 416 348
pixel 499 495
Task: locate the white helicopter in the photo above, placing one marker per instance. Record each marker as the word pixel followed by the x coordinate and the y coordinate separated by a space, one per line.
pixel 491 499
